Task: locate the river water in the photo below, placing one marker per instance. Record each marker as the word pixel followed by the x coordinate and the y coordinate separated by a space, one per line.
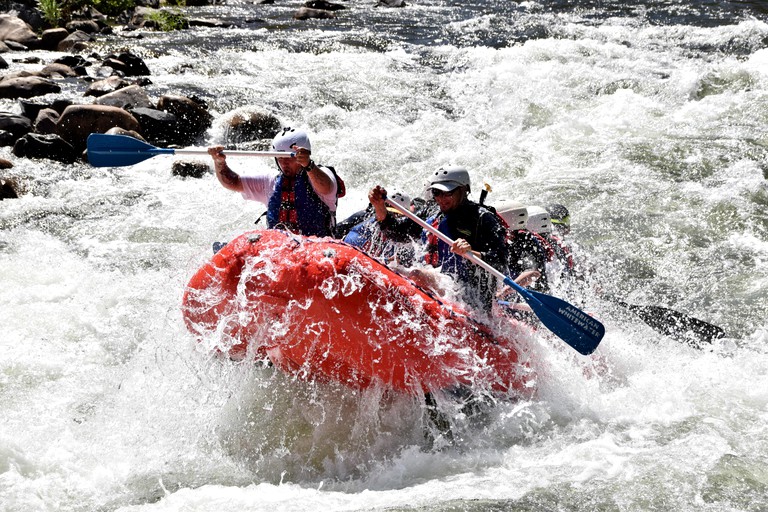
pixel 647 119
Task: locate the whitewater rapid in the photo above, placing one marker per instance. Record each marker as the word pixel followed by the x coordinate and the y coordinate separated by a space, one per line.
pixel 654 136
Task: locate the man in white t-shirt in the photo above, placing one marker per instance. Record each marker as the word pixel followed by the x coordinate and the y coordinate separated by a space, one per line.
pixel 301 197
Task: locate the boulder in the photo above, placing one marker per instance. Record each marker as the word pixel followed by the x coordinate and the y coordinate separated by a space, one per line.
pixel 16 30
pixel 128 98
pixel 6 138
pixel 46 121
pixel 122 131
pixel 50 39
pixel 51 146
pixel 26 87
pixel 8 189
pixel 305 13
pixel 106 86
pixel 158 126
pixel 56 70
pixel 3 63
pixel 128 64
pixel 87 26
pixel 249 123
pixel 193 118
pixel 76 41
pixel 190 168
pixel 390 3
pixel 324 5
pixel 79 121
pixel 15 124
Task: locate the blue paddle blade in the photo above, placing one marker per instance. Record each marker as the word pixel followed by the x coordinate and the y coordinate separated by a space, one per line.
pixel 569 323
pixel 119 150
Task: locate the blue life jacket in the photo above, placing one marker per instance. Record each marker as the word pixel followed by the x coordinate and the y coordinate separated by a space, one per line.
pixel 312 216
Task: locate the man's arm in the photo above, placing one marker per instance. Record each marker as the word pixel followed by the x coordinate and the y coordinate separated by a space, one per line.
pixel 228 178
pixel 320 180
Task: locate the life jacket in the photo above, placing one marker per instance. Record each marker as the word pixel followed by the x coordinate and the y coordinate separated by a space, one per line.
pixel 295 205
pixel 562 252
pixel 432 253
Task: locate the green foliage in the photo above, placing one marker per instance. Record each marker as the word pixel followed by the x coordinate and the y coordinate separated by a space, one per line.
pixel 112 7
pixel 167 20
pixel 51 11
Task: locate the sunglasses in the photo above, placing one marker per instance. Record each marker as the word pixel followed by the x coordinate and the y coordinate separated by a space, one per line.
pixel 439 193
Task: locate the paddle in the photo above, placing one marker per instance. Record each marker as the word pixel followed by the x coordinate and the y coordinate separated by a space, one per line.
pixel 676 325
pixel 118 150
pixel 569 323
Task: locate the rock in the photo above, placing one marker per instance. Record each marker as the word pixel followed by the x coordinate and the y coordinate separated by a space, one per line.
pixel 193 118
pixel 87 26
pixel 390 3
pixel 15 124
pixel 76 41
pixel 15 47
pixel 190 168
pixel 6 138
pixel 106 86
pixel 5 164
pixel 4 47
pixel 78 64
pixel 159 127
pixel 128 98
pixel 58 71
pixel 249 123
pixel 305 13
pixel 16 30
pixel 79 121
pixel 324 5
pixel 3 63
pixel 122 131
pixel 8 188
pixel 26 87
pixel 128 64
pixel 50 39
pixel 52 147
pixel 46 121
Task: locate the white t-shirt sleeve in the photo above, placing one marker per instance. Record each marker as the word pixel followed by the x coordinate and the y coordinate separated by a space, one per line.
pixel 260 187
pixel 329 198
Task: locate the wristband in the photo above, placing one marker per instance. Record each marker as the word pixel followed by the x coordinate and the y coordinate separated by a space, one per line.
pixel 308 167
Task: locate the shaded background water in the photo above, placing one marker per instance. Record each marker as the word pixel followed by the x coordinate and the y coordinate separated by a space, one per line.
pixel 647 119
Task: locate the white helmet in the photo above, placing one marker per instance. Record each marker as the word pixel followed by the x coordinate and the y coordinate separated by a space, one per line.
pixel 514 213
pixel 448 178
pixel 288 137
pixel 538 220
pixel 402 199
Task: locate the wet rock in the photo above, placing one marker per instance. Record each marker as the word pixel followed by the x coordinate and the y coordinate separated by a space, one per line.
pixel 87 26
pixel 3 63
pixel 128 64
pixel 122 131
pixel 50 39
pixel 128 98
pixel 16 47
pixel 46 121
pixel 106 86
pixel 249 123
pixel 6 138
pixel 8 188
pixel 79 121
pixel 323 5
pixel 16 30
pixel 190 168
pixel 193 117
pixel 158 126
pixel 55 70
pixel 5 164
pixel 15 124
pixel 76 41
pixel 4 47
pixel 391 3
pixel 26 87
pixel 51 147
pixel 305 13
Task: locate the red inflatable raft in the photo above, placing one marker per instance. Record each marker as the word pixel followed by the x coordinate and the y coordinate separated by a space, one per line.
pixel 321 309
